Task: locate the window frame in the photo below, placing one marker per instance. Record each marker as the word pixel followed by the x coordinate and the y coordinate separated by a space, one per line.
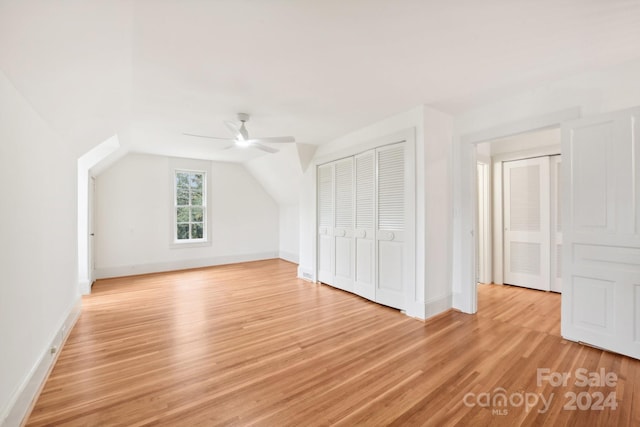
pixel 205 210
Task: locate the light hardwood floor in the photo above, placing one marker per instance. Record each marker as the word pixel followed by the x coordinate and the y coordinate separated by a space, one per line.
pixel 249 344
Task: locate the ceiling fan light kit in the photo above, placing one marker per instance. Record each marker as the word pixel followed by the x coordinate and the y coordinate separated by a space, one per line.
pixel 241 136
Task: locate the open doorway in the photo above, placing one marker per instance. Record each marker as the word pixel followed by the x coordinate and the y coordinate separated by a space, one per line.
pixel 599 221
pixel 519 233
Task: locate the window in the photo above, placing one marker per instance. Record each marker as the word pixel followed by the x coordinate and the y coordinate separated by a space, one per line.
pixel 190 206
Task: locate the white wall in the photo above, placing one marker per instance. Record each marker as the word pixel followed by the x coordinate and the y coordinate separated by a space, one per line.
pixel 38 288
pixel 133 217
pixel 590 93
pixel 438 128
pixel 289 233
pixel 281 175
pixel 432 129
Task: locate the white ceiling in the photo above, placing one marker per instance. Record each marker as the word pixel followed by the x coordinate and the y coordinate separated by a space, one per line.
pixel 316 70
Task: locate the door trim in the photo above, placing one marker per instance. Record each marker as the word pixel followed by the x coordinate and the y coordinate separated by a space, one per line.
pixel 485 254
pixel 465 298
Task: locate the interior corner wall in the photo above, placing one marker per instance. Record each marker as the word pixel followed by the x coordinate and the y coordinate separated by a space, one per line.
pixel 605 90
pixel 133 217
pixel 438 128
pixel 289 238
pixel 38 284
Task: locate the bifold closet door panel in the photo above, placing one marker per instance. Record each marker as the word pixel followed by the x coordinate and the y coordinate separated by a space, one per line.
pixel 361 242
pixel 343 231
pixel 527 223
pixel 365 179
pixel 326 245
pixel 390 225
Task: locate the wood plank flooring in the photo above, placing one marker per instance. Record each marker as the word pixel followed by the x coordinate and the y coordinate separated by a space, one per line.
pixel 249 344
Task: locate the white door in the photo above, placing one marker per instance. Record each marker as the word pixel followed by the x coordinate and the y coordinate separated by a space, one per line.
pixel 390 225
pixel 601 231
pixel 527 223
pixel 556 225
pixel 343 231
pixel 365 178
pixel 325 223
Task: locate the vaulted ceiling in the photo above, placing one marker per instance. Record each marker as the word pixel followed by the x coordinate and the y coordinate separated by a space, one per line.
pixel 150 70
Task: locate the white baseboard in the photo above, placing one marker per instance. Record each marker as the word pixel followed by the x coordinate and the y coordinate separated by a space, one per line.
pixel 437 305
pixel 306 274
pixel 288 256
pixel 459 302
pixel 425 310
pixel 84 287
pixel 415 310
pixel 23 399
pixel 159 267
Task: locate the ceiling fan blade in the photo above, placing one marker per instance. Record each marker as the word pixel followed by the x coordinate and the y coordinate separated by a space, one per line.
pixel 274 139
pixel 263 147
pixel 235 130
pixel 206 136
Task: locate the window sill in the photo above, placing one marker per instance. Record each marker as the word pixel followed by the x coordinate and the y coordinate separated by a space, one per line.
pixel 189 244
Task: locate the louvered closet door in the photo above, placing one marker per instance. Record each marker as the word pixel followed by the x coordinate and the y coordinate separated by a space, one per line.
pixel 556 225
pixel 344 225
pixel 365 180
pixel 390 226
pixel 527 223
pixel 325 181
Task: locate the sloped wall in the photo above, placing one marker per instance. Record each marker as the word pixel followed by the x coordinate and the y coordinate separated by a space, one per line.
pixel 38 288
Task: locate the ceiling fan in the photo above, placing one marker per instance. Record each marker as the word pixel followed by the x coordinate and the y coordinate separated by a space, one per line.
pixel 241 137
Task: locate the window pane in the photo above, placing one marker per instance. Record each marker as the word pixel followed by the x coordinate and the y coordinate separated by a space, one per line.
pixel 182 196
pixel 195 180
pixel 196 214
pixel 190 200
pixel 182 214
pixel 196 198
pixel 182 179
pixel 183 231
pixel 196 231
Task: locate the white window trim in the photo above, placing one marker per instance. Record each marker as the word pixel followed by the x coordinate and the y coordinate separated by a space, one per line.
pixel 190 243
